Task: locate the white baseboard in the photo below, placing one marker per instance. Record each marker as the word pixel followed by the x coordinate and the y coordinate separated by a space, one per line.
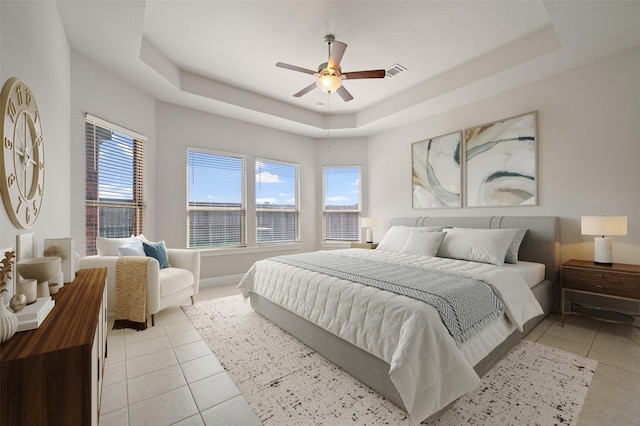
pixel 224 280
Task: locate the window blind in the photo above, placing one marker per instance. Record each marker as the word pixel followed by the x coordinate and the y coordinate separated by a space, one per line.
pixel 216 199
pixel 114 200
pixel 341 203
pixel 277 209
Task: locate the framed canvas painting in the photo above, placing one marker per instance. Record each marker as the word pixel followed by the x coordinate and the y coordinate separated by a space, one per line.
pixel 436 172
pixel 501 163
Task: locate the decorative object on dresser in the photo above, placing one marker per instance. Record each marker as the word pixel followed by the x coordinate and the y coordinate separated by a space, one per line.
pixel 368 223
pixel 22 167
pixel 41 269
pixel 8 320
pixel 53 375
pixel 620 281
pixel 64 248
pixel 605 227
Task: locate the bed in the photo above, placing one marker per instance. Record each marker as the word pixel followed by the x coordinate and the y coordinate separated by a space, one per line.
pixel 400 346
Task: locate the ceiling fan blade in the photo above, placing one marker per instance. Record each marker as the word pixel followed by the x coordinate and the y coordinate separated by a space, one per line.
pixel 335 56
pixel 305 90
pixel 344 94
pixel 294 68
pixel 363 74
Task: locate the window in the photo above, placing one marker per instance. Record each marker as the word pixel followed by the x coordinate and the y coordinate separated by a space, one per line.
pixel 276 202
pixel 114 181
pixel 216 200
pixel 341 203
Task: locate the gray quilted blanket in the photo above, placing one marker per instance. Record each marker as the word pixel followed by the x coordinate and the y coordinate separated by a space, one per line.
pixel 465 305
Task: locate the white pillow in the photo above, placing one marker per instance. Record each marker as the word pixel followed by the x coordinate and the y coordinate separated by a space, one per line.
pixel 133 247
pixel 514 248
pixel 109 246
pixel 477 245
pixel 423 243
pixel 397 236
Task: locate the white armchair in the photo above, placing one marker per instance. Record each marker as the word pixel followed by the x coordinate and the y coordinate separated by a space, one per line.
pixel 165 287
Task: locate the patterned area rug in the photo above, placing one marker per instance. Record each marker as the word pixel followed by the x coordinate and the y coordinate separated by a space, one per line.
pixel 287 383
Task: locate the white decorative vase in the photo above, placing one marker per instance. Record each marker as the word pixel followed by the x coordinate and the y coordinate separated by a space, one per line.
pixel 8 323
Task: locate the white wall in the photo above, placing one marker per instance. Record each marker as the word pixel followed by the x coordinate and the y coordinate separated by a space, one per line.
pixel 178 128
pixel 102 94
pixel 588 152
pixel 34 48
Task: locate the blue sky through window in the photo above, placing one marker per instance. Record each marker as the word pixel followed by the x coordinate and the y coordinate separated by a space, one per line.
pixel 342 186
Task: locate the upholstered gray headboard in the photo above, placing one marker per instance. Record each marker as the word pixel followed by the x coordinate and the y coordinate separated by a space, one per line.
pixel 541 243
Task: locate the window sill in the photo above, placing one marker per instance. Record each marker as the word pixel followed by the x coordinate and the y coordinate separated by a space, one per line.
pixel 248 250
pixel 336 244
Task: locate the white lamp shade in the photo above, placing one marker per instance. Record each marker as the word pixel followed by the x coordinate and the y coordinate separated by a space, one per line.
pixel 604 225
pixel 368 222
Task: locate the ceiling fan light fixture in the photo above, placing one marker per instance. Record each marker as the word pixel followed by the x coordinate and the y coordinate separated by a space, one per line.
pixel 329 83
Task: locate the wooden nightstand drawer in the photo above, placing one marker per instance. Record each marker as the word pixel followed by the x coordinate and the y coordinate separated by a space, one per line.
pixel 611 283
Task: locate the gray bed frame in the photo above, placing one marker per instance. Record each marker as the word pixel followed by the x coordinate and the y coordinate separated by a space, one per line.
pixel 541 244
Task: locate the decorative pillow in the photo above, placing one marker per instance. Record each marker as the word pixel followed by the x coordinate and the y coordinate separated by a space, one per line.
pixel 397 236
pixel 514 248
pixel 477 245
pixel 109 246
pixel 158 251
pixel 423 243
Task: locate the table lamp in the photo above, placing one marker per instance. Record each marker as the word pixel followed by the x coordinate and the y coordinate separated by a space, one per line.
pixel 368 223
pixel 605 226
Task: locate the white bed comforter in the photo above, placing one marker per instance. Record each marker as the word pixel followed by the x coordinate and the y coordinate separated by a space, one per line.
pixel 427 367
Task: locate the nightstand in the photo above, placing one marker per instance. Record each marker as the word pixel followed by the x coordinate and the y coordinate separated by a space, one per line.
pixel 618 281
pixel 369 246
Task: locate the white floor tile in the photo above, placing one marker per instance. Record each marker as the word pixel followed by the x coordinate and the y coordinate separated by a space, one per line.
pixel 184 337
pixel 165 409
pixel 199 368
pixel 114 397
pixel 234 412
pixel 152 362
pixel 191 351
pixel 145 347
pixel 155 383
pixel 115 418
pixel 213 390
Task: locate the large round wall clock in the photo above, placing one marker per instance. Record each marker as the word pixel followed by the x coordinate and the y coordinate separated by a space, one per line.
pixel 22 162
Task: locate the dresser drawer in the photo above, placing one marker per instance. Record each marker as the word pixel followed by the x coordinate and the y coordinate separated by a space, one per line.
pixel 611 283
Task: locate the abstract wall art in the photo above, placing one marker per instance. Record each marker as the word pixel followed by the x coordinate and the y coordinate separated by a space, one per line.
pixel 501 163
pixel 437 177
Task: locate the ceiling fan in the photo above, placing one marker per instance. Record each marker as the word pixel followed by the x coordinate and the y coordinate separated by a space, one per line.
pixel 330 74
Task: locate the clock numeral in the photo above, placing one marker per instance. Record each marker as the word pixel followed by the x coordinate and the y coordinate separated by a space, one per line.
pixel 28 96
pixel 27 215
pixel 35 208
pixel 35 120
pixel 8 143
pixel 38 140
pixel 41 165
pixel 19 94
pixel 11 179
pixel 39 189
pixel 11 110
pixel 19 205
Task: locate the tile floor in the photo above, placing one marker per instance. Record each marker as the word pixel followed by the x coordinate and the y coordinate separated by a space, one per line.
pixel 166 375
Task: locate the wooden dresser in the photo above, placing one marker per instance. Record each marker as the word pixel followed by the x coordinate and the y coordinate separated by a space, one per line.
pixel 53 375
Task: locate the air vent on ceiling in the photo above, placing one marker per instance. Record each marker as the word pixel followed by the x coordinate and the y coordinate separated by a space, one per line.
pixel 394 70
